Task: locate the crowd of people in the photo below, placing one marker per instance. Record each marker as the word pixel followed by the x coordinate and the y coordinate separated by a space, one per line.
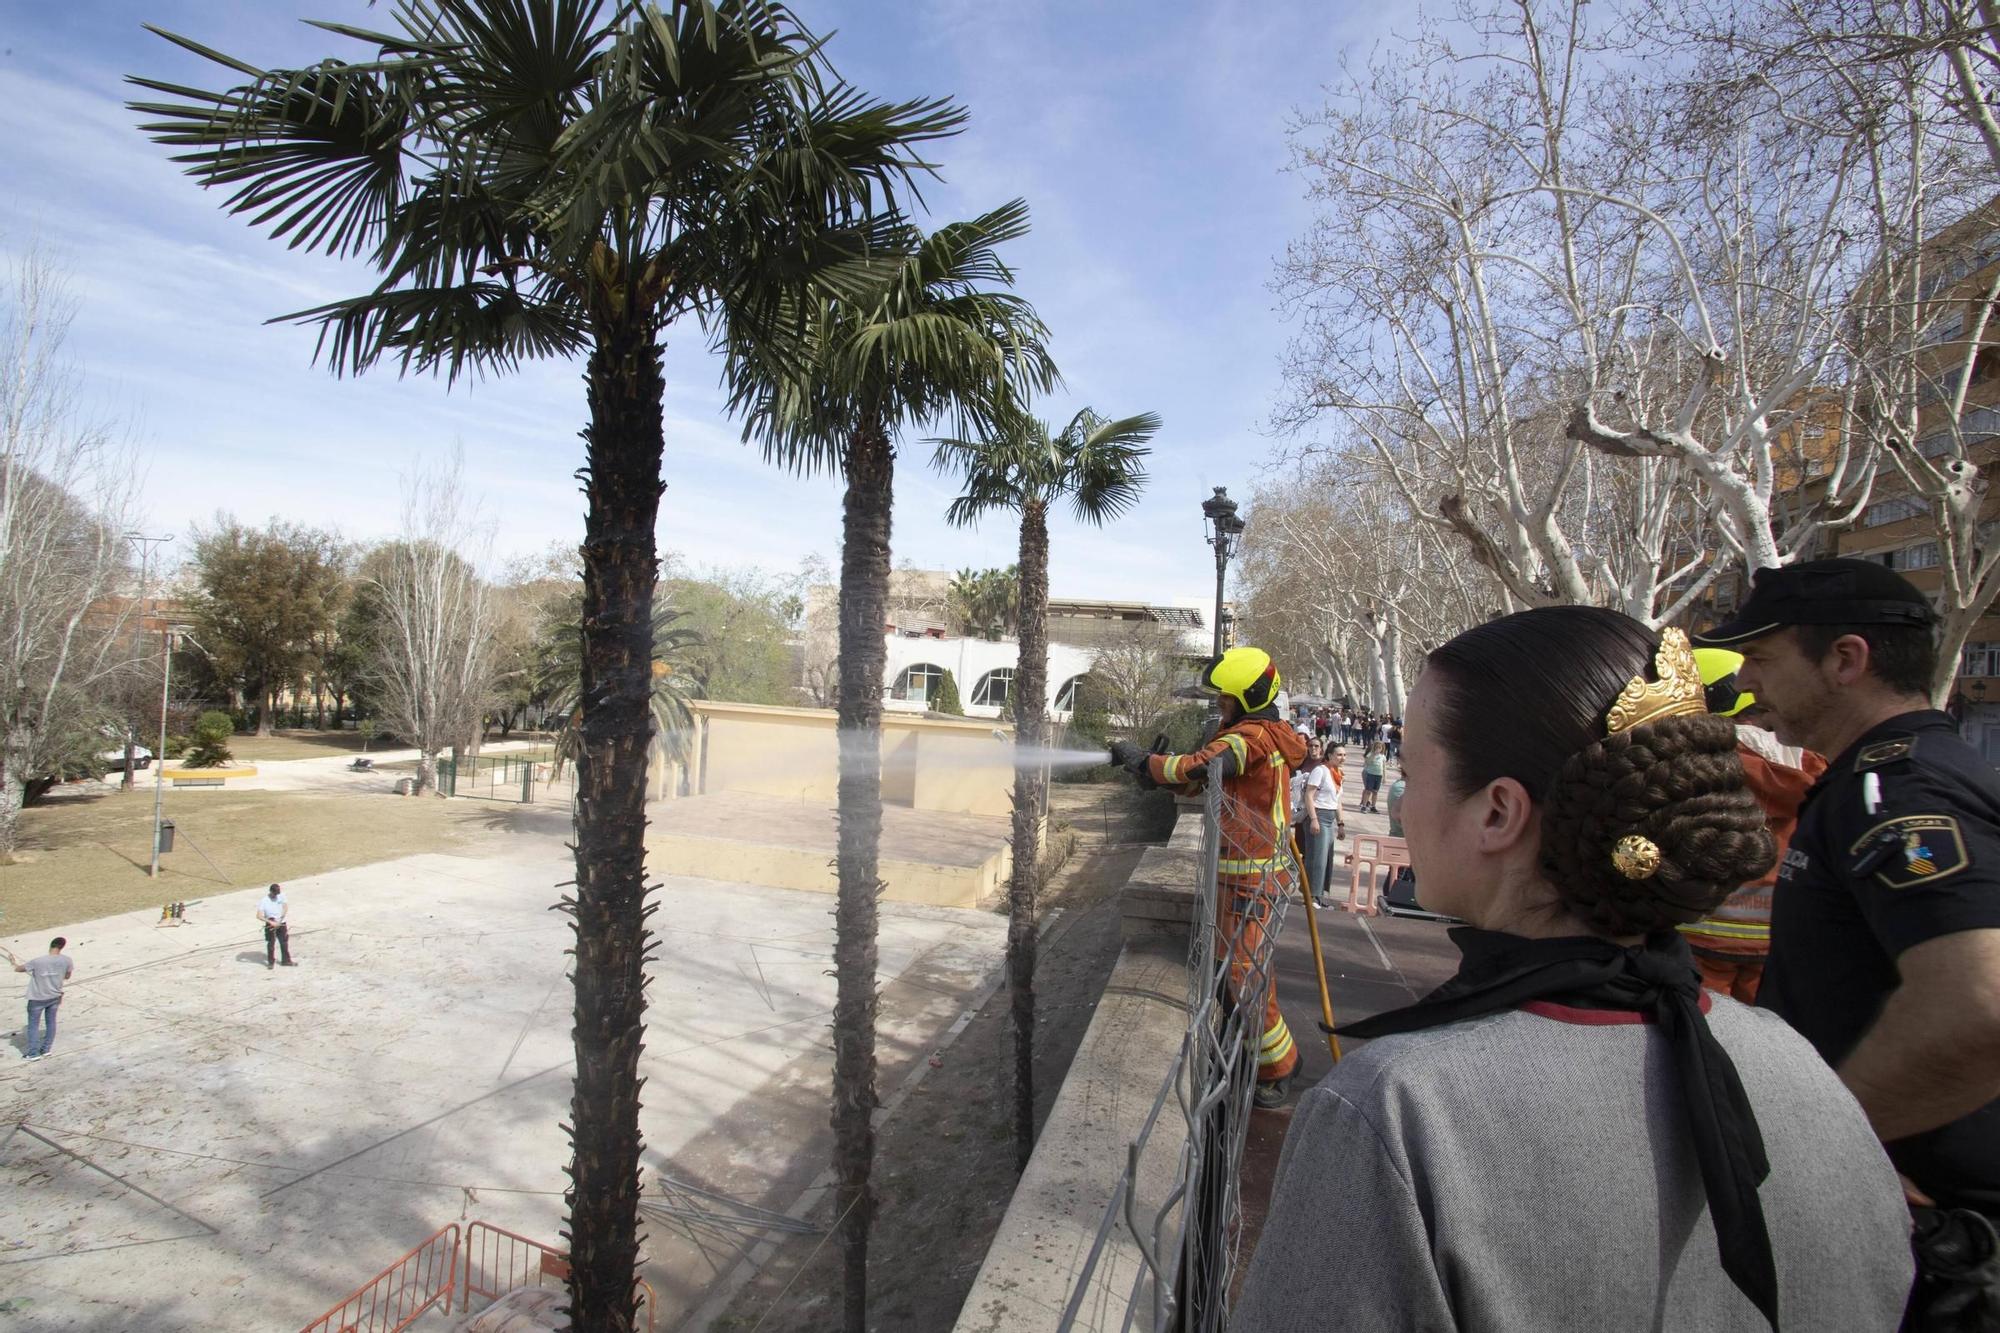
pixel 1723 1047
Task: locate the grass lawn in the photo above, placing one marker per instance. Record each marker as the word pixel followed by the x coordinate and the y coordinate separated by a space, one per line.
pixel 306 744
pixel 85 856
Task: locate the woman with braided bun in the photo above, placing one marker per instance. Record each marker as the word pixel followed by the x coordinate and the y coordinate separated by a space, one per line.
pixel 1571 1133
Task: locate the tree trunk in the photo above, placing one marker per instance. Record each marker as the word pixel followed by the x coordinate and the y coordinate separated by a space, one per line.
pixel 131 745
pixel 267 704
pixel 1392 663
pixel 864 589
pixel 13 795
pixel 622 465
pixel 1955 629
pixel 1029 697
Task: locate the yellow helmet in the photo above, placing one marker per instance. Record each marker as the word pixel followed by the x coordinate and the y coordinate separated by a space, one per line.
pixel 1718 667
pixel 1246 675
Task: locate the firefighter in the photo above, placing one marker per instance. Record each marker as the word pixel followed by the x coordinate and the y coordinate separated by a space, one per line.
pixel 1731 944
pixel 1255 752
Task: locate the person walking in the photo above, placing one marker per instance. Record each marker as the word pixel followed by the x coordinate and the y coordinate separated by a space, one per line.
pixel 46 976
pixel 1571 1133
pixel 1885 919
pixel 271 910
pixel 1374 764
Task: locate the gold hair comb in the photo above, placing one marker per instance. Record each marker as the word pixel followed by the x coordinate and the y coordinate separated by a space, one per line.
pixel 1677 691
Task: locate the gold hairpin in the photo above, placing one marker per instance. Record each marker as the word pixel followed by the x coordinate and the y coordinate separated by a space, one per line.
pixel 1636 856
pixel 1678 689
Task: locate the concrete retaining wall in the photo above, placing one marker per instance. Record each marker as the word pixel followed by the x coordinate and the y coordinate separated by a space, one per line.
pixel 1036 1261
pixel 929 763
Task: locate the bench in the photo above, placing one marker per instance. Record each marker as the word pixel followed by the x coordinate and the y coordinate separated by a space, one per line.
pixel 195 782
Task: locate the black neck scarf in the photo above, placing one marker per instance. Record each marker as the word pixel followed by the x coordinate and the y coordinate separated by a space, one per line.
pixel 1658 978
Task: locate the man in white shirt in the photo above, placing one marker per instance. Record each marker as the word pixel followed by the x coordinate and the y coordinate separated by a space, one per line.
pixel 277 931
pixel 46 976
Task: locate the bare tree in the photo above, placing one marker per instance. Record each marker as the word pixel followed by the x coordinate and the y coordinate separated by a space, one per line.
pixel 1570 295
pixel 1908 86
pixel 1135 677
pixel 433 651
pixel 66 497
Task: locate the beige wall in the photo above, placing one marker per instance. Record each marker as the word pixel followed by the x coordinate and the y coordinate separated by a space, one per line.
pixel 928 763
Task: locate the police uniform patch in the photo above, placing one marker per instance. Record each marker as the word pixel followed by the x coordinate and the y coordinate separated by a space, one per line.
pixel 1884 752
pixel 1928 848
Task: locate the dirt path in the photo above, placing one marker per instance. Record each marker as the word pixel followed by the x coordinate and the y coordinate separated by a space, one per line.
pixel 944 1167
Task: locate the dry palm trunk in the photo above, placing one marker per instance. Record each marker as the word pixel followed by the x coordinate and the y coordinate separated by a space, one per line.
pixel 612 941
pixel 864 586
pixel 1030 795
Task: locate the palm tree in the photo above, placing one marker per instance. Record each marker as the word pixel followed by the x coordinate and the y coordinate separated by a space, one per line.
pixel 557 679
pixel 533 178
pixel 932 340
pixel 1023 469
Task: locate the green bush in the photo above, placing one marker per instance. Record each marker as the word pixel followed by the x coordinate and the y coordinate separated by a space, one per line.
pixel 212 731
pixel 945 700
pixel 176 747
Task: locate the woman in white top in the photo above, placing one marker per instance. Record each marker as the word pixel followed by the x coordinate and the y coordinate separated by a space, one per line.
pixel 1320 803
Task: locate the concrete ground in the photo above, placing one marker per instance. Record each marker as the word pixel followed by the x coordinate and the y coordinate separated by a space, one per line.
pixel 218 1146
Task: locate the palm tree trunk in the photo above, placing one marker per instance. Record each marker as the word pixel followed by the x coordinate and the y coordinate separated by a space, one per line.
pixel 622 461
pixel 864 594
pixel 1029 697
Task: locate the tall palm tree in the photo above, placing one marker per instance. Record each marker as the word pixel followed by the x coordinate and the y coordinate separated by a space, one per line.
pixel 534 178
pixel 932 340
pixel 1098 465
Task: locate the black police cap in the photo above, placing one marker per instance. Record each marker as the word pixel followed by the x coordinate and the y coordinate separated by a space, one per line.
pixel 1839 591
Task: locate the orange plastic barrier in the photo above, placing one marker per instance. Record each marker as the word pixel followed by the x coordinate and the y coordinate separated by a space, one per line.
pixel 424 1279
pixel 1373 854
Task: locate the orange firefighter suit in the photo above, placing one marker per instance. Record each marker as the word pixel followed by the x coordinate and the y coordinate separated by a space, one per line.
pixel 1256 754
pixel 1731 943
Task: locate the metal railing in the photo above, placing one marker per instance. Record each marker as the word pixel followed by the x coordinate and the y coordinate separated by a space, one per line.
pixel 1187 1242
pixel 498 1261
pixel 424 1279
pixel 474 1267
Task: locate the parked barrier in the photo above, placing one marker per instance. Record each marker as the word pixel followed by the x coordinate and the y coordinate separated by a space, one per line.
pixel 1373 854
pixel 424 1279
pixel 498 1261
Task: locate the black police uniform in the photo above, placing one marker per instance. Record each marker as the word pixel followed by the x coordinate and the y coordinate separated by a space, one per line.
pixel 1860 886
pixel 1857 889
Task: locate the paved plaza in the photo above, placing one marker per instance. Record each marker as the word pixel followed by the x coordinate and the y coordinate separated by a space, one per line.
pixel 216 1146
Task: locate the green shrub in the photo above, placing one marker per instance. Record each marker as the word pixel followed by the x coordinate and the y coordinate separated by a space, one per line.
pixel 212 731
pixel 176 747
pixel 945 700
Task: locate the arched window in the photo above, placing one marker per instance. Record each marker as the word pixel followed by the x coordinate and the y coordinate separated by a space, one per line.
pixel 991 691
pixel 917 683
pixel 1066 696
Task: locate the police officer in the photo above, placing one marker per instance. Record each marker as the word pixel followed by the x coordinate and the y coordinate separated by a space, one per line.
pixel 1885 927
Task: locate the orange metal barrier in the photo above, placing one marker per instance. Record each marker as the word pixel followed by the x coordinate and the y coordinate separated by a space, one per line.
pixel 1373 854
pixel 424 1279
pixel 498 1261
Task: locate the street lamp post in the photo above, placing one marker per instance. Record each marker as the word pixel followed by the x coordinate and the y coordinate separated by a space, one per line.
pixel 146 545
pixel 160 755
pixel 1225 536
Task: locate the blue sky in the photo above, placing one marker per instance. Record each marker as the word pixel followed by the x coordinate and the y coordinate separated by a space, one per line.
pixel 1148 139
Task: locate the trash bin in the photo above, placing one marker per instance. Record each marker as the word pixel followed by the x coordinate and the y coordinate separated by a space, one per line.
pixel 404 786
pixel 166 835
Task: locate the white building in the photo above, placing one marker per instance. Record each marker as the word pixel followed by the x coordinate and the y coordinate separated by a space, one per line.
pixel 983 670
